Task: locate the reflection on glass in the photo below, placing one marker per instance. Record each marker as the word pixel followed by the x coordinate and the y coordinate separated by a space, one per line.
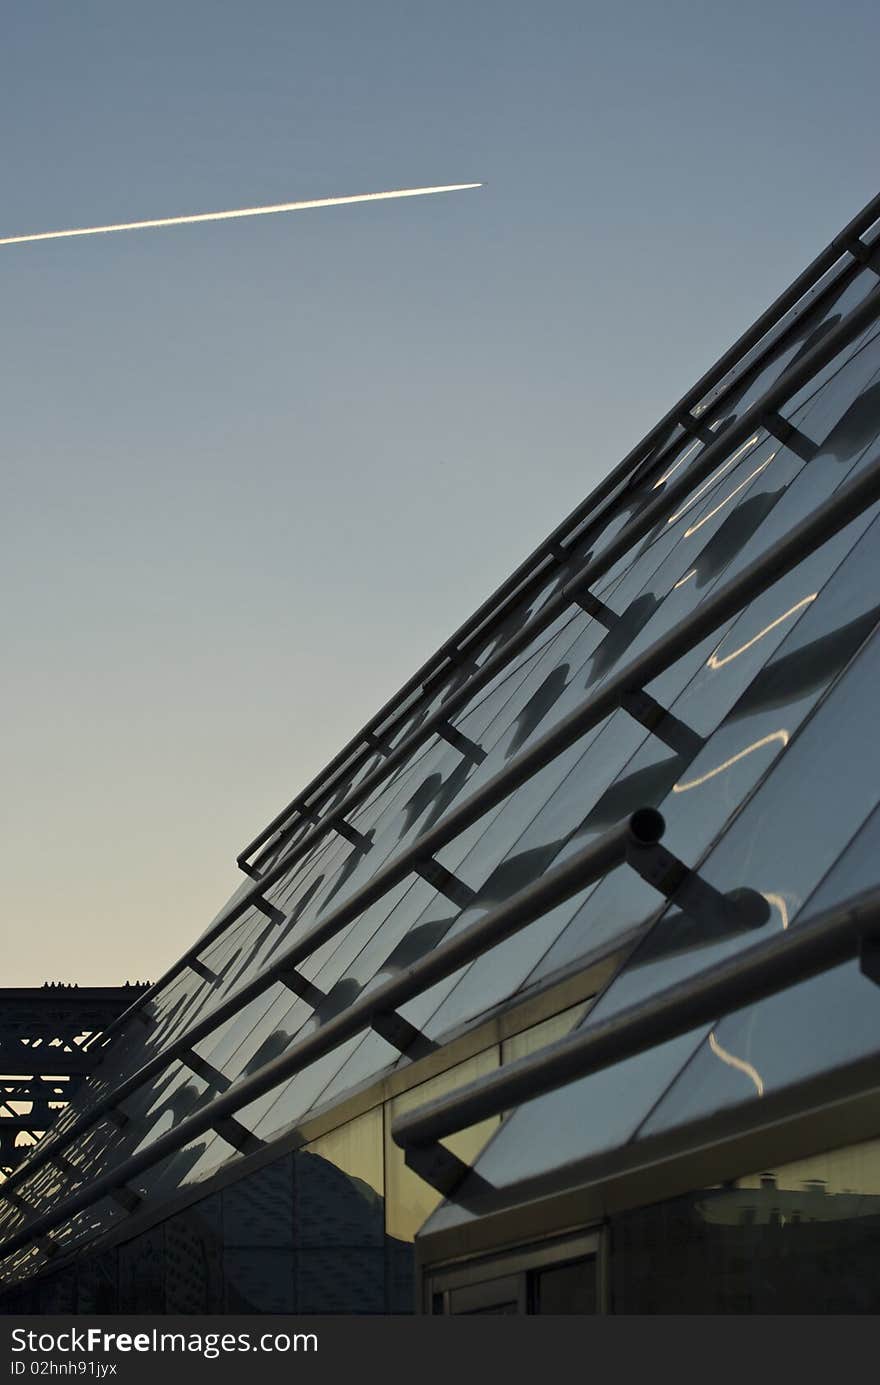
pixel 340 1185
pixel 410 1199
pixel 530 1040
pixel 740 1064
pixel 716 663
pixel 803 1238
pixel 782 737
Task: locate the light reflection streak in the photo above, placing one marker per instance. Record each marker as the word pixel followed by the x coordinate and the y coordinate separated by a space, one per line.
pixel 716 663
pixel 725 466
pixel 681 461
pixel 779 902
pixel 726 501
pixel 739 1063
pixel 238 212
pixel 687 577
pixel 782 736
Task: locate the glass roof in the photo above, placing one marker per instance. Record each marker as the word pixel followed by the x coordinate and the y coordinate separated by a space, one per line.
pixel 777 698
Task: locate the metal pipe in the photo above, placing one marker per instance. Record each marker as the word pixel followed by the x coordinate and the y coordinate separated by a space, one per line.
pixel 832 516
pixel 644 828
pixel 759 971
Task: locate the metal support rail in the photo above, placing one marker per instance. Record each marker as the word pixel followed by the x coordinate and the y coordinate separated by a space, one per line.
pixel 632 837
pixel 846 242
pixel 576 590
pixel 828 519
pixel 837 934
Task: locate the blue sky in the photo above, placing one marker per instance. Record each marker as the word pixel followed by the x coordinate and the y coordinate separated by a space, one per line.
pixel 255 471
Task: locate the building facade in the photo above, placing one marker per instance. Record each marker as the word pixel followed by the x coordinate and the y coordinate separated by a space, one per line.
pixel 556 991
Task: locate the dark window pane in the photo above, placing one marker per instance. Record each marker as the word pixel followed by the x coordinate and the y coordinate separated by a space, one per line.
pixel 566 1288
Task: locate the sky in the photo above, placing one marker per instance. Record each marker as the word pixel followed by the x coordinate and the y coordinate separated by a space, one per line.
pixel 254 472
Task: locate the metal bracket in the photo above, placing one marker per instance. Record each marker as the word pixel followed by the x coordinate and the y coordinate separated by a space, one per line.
pixel 126 1197
pixel 301 986
pixel 558 551
pixel 375 743
pixel 201 970
pixel 269 910
pixel 865 254
pixel 351 834
pixel 205 1070
pixel 402 1035
pixel 696 429
pixel 591 604
pixel 459 658
pixel 438 1166
pixel 647 711
pixel 471 751
pixel 790 437
pixel 235 1134
pixel 444 881
pixel 688 891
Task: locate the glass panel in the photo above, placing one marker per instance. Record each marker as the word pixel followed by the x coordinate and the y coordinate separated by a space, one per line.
pixel 340 1186
pixel 540 1035
pixel 279 1108
pixel 802 1238
pixel 494 1298
pixel 795 1034
pixel 784 840
pixel 409 1198
pixel 566 1289
pixel 698 796
pixel 546 1138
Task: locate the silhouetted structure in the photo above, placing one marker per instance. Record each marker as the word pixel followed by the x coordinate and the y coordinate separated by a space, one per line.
pixel 45 1054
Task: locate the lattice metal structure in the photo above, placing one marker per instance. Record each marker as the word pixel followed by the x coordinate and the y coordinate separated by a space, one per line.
pixel 575 941
pixel 43 1031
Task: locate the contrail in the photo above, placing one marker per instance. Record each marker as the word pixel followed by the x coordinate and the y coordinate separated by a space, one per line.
pixel 240 211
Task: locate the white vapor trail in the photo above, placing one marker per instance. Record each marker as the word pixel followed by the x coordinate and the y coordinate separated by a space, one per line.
pixel 240 211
